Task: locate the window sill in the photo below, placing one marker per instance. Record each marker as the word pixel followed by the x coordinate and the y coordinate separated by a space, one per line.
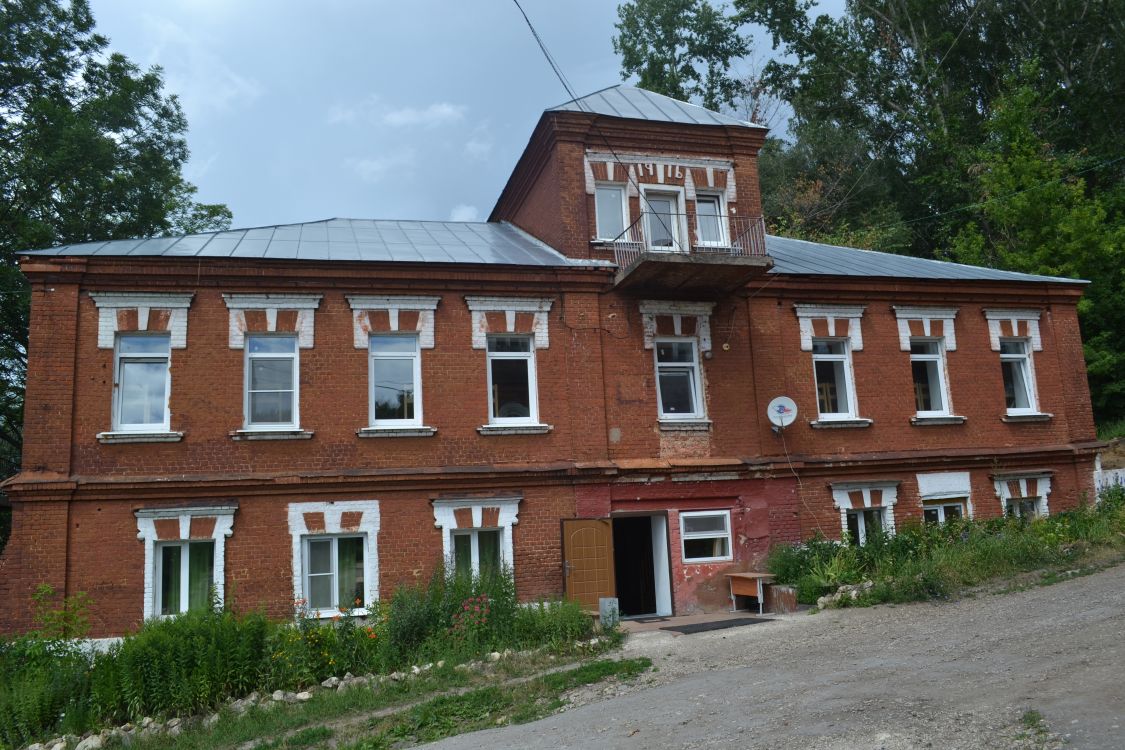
pixel 1027 417
pixel 393 432
pixel 271 435
pixel 514 429
pixel 329 614
pixel 109 438
pixel 685 425
pixel 927 421
pixel 839 424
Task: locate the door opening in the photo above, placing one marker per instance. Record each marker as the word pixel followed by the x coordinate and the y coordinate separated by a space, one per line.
pixel 640 556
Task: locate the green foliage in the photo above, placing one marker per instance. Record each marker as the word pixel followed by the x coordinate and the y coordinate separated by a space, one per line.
pixel 928 561
pixel 681 48
pixel 91 148
pixel 5 525
pixel 44 689
pixel 1106 431
pixel 70 620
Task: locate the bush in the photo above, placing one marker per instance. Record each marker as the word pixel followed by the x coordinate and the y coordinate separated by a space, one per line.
pixel 44 689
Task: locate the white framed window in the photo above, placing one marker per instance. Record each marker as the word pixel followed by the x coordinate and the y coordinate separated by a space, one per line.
pixel 863 523
pixel 710 221
pixel 272 385
pixel 1019 376
pixel 931 388
pixel 185 576
pixel 512 396
pixel 142 380
pixel 705 536
pixel 611 209
pixel 476 552
pixel 943 511
pixel 334 568
pixel 679 392
pixel 835 387
pixel 663 220
pixel 395 380
pixel 1022 507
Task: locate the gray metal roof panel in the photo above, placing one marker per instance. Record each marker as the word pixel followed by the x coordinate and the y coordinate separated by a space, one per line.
pixel 632 103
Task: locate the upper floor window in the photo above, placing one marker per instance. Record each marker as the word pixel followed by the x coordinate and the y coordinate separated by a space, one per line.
pixel 512 397
pixel 396 380
pixel 611 209
pixel 710 224
pixel 678 387
pixel 927 364
pixel 271 382
pixel 142 378
pixel 1019 377
pixel 832 367
pixel 663 225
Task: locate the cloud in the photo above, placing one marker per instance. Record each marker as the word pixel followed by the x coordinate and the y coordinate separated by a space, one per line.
pixel 463 212
pixel 478 148
pixel 373 169
pixel 196 169
pixel 438 113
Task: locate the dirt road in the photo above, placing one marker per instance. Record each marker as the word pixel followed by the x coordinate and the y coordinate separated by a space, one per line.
pixel 955 675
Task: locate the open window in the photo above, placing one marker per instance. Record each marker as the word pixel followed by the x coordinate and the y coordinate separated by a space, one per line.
pixel 1019 377
pixel 835 391
pixel 931 390
pixel 512 393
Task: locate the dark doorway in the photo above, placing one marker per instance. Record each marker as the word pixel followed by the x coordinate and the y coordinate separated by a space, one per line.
pixel 632 553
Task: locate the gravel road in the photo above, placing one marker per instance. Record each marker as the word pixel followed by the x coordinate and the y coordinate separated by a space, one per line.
pixel 951 675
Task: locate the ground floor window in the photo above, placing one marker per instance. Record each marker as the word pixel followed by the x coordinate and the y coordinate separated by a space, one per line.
pixel 943 511
pixel 476 552
pixel 865 523
pixel 705 535
pixel 1022 507
pixel 185 576
pixel 334 572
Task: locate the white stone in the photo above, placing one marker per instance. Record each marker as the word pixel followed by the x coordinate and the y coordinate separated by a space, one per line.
pixel 278 695
pixel 330 683
pixel 211 721
pixel 303 696
pixel 494 656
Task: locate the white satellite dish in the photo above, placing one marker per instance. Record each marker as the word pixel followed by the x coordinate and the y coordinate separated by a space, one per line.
pixel 782 412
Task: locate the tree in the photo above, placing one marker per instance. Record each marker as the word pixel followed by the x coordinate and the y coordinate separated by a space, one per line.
pixel 681 48
pixel 91 148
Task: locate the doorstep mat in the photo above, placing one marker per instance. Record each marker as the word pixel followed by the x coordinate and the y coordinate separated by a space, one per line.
pixel 703 627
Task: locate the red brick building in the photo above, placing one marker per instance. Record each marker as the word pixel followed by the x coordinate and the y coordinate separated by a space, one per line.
pixel 576 388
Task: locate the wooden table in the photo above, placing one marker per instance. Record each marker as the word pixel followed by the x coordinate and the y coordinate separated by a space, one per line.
pixel 748 584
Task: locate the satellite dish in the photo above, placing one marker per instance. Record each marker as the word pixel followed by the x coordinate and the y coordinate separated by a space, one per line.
pixel 782 412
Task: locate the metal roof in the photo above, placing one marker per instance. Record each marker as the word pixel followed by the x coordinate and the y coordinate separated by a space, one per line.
pixel 637 104
pixel 347 239
pixel 798 257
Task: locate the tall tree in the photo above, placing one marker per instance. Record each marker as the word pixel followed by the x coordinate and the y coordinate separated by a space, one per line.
pixel 681 48
pixel 91 148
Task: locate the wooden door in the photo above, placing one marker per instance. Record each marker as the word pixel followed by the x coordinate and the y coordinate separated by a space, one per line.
pixel 588 560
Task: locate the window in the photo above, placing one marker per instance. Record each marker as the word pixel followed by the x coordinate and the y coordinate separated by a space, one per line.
pixel 334 573
pixel 927 363
pixel 835 394
pixel 678 391
pixel 396 380
pixel 705 535
pixel 511 380
pixel 1022 507
pixel 611 211
pixel 1015 364
pixel 185 575
pixel 942 511
pixel 476 552
pixel 142 381
pixel 710 224
pixel 864 523
pixel 662 221
pixel 271 382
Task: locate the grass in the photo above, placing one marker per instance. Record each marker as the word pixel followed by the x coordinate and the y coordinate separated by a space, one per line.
pixel 1111 430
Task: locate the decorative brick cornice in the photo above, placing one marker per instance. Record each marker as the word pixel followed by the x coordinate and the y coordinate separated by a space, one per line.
pixel 133 311
pixel 1015 324
pixel 652 310
pixel 936 322
pixel 392 305
pixel 807 314
pixel 304 305
pixel 538 307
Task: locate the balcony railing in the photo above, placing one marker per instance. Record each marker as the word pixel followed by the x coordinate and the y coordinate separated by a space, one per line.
pixel 688 234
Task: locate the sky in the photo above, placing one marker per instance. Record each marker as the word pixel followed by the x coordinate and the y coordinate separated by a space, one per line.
pixel 384 109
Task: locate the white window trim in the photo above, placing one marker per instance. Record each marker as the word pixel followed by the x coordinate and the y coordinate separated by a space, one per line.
pixel 118 357
pixel 1029 376
pixel 831 314
pixel 1014 318
pixel 696 367
pixel 532 382
pixel 621 189
pixel 362 304
pixel 146 532
pixel 849 384
pixel 247 426
pixel 941 505
pixel 335 559
pixel 936 486
pixel 372 357
pixel 680 233
pixel 1042 491
pixel 333 512
pixel 724 229
pixel 684 536
pixel 185 572
pixel 445 518
pixel 927 315
pixel 841 497
pixel 701 311
pixel 942 373
pixel 108 303
pixel 538 306
pixel 861 521
pixel 304 304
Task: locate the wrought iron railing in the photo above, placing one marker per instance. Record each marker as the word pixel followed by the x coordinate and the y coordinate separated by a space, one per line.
pixel 689 234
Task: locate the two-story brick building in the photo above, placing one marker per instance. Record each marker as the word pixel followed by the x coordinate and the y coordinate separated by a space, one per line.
pixel 576 388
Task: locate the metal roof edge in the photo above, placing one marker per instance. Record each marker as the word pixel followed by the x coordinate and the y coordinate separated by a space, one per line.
pixel 567 260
